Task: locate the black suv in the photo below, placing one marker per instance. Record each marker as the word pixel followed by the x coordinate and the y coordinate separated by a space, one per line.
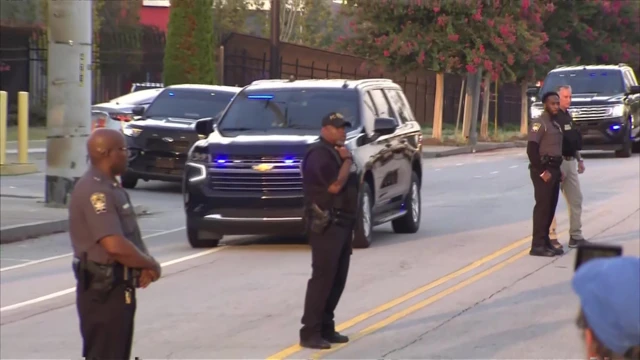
pixel 160 138
pixel 245 178
pixel 605 105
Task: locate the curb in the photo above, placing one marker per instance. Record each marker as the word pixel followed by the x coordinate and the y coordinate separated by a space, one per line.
pixel 10 234
pixel 469 149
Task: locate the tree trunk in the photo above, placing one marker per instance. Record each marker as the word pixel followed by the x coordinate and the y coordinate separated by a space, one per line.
pixel 484 123
pixel 468 106
pixel 524 109
pixel 438 107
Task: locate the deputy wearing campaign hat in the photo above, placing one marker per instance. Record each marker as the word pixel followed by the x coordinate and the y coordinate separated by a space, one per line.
pixel 609 292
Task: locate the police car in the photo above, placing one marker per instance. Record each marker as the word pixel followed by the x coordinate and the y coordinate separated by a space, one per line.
pixel 245 178
pixel 605 105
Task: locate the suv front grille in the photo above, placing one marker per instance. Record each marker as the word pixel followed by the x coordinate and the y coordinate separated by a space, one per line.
pixel 590 112
pixel 161 145
pixel 256 174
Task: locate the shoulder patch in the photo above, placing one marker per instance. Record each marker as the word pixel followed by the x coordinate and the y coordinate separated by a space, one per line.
pixel 99 202
pixel 535 127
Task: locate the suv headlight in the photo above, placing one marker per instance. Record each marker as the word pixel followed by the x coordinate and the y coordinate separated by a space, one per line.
pixel 617 110
pixel 536 112
pixel 199 159
pixel 130 131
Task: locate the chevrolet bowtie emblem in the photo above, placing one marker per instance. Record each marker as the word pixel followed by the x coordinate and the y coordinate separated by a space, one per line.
pixel 262 167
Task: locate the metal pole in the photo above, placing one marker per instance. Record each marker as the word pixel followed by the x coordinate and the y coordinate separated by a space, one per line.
pixel 68 96
pixel 274 62
pixel 473 131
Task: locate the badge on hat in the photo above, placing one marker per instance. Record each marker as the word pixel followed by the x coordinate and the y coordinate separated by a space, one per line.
pixel 535 127
pixel 99 202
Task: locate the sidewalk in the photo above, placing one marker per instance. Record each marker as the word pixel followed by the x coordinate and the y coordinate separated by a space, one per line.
pixel 23 214
pixel 436 151
pixel 35 146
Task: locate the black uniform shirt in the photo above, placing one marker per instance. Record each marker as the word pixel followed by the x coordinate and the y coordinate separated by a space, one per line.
pixel 319 170
pixel 98 208
pixel 572 140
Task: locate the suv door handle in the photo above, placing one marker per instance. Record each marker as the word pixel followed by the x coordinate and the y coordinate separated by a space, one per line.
pixel 403 141
pixel 387 145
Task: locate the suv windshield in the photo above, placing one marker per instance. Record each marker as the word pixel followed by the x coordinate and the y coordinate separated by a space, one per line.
pixel 298 111
pixel 602 82
pixel 188 103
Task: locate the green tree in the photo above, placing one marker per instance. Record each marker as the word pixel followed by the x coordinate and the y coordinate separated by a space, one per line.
pixel 20 12
pixel 189 50
pixel 230 16
pixel 306 22
pixel 591 32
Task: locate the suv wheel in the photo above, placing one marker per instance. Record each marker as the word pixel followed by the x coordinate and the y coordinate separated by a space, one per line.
pixel 196 240
pixel 128 181
pixel 625 152
pixel 410 222
pixel 364 224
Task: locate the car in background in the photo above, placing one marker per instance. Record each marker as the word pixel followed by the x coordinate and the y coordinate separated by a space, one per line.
pixel 245 178
pixel 161 135
pixel 117 112
pixel 135 87
pixel 605 105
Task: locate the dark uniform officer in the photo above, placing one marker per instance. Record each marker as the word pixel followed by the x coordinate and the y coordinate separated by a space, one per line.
pixel 544 149
pixel 108 252
pixel 330 207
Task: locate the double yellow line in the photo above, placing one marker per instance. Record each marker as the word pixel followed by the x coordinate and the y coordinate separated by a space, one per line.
pixel 399 315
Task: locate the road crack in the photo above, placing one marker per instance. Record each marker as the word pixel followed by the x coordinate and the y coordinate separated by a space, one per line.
pixel 422 335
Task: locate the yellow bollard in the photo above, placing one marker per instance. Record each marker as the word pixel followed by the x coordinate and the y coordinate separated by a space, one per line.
pixel 23 127
pixel 21 167
pixel 3 127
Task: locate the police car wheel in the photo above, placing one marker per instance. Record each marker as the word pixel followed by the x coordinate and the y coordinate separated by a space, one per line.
pixel 625 152
pixel 410 222
pixel 128 181
pixel 364 227
pixel 197 241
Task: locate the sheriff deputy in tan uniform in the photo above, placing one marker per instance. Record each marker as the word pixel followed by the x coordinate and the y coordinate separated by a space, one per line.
pixel 110 259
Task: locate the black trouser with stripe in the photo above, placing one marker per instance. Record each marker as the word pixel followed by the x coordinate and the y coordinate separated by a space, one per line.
pixel 106 321
pixel 546 194
pixel 330 256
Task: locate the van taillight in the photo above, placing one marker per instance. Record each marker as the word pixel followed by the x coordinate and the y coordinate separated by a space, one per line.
pixel 120 117
pixel 99 122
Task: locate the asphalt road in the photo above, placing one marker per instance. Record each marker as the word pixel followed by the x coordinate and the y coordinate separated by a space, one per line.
pixel 463 287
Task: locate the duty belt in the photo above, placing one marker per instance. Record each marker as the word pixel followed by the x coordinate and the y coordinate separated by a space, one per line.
pixel 551 161
pixel 569 158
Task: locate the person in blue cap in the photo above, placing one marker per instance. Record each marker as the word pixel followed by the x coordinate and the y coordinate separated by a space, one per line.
pixel 609 292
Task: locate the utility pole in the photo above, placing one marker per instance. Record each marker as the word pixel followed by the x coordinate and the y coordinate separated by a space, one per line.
pixel 473 131
pixel 274 63
pixel 68 96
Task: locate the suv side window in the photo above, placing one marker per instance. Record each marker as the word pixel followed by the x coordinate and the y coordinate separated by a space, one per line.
pixel 400 105
pixel 382 105
pixel 368 110
pixel 631 81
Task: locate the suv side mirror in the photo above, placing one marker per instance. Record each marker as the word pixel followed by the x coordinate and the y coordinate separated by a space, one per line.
pixel 204 126
pixel 384 126
pixel 138 110
pixel 634 90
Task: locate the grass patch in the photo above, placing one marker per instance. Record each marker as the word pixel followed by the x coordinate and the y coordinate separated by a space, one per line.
pixel 451 137
pixel 35 133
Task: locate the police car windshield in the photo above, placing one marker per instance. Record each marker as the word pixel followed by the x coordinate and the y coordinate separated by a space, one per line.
pixel 601 82
pixel 288 111
pixel 188 103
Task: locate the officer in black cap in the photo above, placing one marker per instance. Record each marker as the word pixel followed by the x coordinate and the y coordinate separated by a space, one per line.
pixel 544 149
pixel 330 217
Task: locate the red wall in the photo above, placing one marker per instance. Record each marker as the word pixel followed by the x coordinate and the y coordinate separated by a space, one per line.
pixel 155 16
